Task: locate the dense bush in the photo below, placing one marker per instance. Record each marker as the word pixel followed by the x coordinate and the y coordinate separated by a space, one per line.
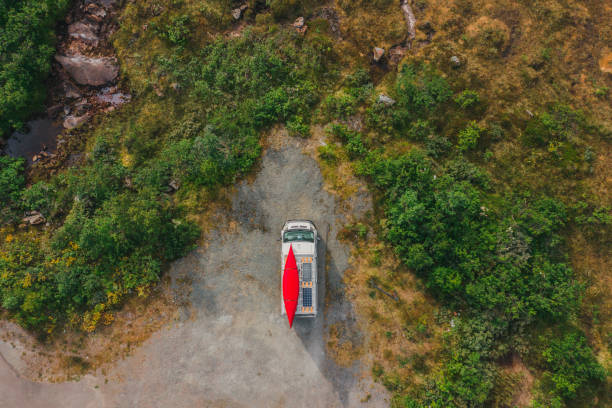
pixel 94 259
pixel 442 229
pixel 419 91
pixel 572 365
pixel 353 143
pixel 506 266
pixel 468 137
pixel 559 124
pixel 26 47
pixel 242 86
pixel 495 258
pixel 467 99
pixel 12 180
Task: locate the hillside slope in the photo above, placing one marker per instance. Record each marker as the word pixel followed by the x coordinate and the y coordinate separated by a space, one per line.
pixel 483 132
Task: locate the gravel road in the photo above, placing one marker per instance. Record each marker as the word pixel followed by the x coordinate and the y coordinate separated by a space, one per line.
pixel 231 347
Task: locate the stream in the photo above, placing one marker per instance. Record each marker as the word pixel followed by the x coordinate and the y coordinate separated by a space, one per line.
pixel 40 135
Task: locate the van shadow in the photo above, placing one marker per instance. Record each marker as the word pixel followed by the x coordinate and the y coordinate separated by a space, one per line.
pixel 334 311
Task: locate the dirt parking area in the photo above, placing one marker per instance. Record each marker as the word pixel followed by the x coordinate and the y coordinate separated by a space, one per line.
pixel 231 347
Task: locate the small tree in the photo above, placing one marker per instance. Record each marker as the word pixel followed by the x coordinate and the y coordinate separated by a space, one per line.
pixel 468 137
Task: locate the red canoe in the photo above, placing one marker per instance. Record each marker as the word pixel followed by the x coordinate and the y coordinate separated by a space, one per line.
pixel 291 286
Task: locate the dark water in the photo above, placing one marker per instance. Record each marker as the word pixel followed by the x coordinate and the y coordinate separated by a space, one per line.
pixel 39 133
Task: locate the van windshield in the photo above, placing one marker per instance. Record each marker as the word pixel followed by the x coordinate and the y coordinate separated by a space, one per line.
pixel 298 235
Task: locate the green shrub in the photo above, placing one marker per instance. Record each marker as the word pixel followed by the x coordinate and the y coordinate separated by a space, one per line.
pixel 465 381
pixel 12 180
pixel 437 146
pixel 467 99
pixel 178 30
pixel 341 105
pixel 351 140
pixel 462 170
pixel 602 92
pixel 297 127
pixel 420 130
pixel 26 44
pixel 419 90
pixel 39 197
pixel 572 365
pixel 284 8
pixel 328 153
pixel 594 220
pixel 560 123
pixel 468 137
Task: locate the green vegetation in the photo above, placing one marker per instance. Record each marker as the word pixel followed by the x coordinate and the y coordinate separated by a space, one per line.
pixel 12 181
pixel 26 49
pixel 488 175
pixel 468 137
pixel 498 258
pixel 467 99
pixel 353 143
pixel 572 365
pixel 418 91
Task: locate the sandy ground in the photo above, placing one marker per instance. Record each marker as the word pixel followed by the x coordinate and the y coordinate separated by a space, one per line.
pixel 231 347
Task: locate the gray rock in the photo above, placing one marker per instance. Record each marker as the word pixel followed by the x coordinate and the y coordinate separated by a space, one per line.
pixel 72 121
pixel 386 100
pixel 95 10
pixel 89 71
pixel 115 99
pixel 455 61
pixel 84 31
pixel 237 12
pixel 33 218
pixel 378 53
pixel 299 22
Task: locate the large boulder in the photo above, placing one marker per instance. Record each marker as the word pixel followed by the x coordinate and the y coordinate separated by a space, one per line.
pixel 89 71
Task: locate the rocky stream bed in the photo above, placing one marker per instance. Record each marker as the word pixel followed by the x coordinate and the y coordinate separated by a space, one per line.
pixel 83 82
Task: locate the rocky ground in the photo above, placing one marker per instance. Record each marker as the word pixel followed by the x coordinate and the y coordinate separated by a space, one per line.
pixel 86 68
pixel 231 347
